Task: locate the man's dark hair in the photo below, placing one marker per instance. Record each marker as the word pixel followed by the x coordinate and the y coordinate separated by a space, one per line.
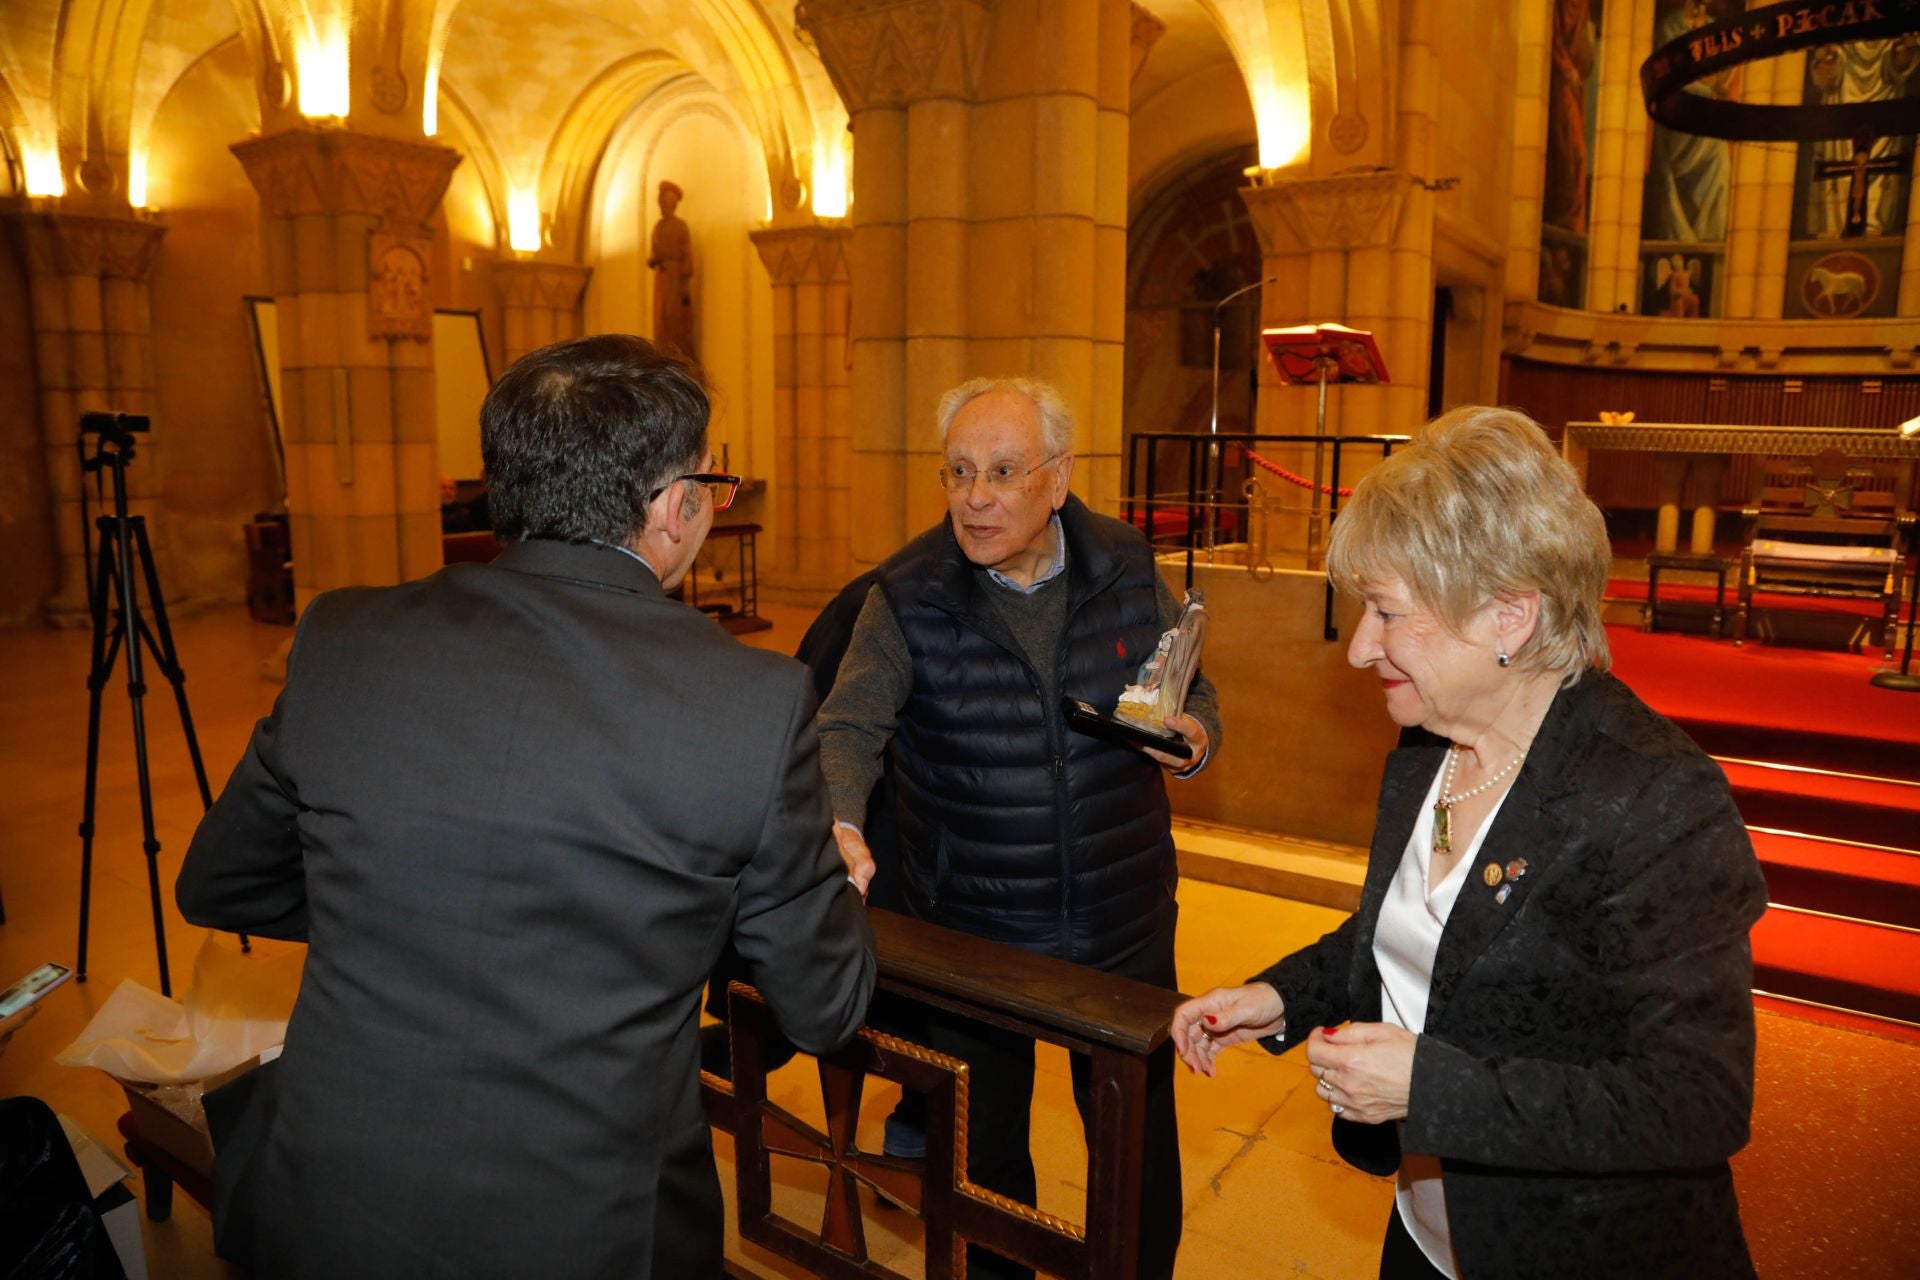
pixel 578 437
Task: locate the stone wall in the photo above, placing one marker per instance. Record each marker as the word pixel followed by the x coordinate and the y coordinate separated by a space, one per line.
pixel 1305 735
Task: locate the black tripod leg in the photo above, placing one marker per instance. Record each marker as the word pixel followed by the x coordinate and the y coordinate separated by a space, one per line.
pixel 125 590
pixel 168 660
pixel 104 654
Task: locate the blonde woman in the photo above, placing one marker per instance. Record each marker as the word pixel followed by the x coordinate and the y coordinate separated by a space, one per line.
pixel 1539 1019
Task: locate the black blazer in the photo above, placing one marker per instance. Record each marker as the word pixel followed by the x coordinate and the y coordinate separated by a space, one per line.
pixel 516 809
pixel 1586 1068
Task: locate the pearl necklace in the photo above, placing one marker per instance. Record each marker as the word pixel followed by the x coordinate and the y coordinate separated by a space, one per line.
pixel 1442 808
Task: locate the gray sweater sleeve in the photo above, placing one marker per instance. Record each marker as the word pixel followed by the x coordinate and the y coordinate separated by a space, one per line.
pixel 1203 700
pixel 858 718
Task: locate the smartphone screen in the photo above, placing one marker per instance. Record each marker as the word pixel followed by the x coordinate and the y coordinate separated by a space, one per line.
pixel 32 987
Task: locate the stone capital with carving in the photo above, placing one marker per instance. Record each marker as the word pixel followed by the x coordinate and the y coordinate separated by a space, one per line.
pixel 804 255
pixel 329 170
pixel 556 286
pixel 888 53
pixel 69 244
pixel 1347 211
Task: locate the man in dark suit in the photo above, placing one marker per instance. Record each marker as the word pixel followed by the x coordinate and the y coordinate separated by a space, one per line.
pixel 516 810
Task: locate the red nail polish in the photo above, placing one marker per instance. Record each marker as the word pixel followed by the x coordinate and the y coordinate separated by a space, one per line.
pixel 1211 1018
pixel 1329 1030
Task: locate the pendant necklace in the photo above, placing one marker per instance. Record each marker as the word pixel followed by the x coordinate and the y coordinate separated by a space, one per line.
pixel 1443 807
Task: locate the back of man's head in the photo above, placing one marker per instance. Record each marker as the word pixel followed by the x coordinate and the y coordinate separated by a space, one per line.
pixel 577 437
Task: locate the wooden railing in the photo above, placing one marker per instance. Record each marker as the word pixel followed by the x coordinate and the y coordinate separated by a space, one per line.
pixel 1118 1023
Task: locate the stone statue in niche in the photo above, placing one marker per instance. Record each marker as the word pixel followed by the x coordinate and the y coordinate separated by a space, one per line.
pixel 671 258
pixel 399 303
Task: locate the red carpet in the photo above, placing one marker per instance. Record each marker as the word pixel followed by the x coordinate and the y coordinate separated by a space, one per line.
pixel 1837 830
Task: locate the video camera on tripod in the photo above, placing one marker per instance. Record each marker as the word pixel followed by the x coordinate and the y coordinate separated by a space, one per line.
pixel 117 428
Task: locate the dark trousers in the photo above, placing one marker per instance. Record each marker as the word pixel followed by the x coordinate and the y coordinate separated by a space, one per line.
pixel 1400 1257
pixel 1000 1110
pixel 48 1229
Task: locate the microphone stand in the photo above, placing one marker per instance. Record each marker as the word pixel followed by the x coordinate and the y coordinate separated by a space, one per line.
pixel 1213 422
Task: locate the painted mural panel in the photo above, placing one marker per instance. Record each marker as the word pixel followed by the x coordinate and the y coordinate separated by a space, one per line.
pixel 1688 177
pixel 1573 90
pixel 1851 199
pixel 1683 212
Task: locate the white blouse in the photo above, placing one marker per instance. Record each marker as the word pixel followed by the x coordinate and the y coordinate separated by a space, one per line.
pixel 1404 943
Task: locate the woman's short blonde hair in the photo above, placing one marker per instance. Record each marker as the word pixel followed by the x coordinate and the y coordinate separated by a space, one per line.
pixel 1480 505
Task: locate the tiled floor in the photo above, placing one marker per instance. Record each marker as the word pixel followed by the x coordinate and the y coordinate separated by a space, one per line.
pixel 1824 1185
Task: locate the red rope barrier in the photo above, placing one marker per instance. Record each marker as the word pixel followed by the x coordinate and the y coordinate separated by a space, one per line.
pixel 1291 478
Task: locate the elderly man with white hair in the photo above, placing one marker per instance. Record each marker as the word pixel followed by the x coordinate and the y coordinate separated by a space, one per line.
pixel 1013 826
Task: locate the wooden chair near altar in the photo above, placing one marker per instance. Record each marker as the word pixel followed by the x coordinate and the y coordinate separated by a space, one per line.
pixel 1830 527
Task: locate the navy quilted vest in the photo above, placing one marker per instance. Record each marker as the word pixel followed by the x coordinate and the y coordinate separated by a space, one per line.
pixel 1013 826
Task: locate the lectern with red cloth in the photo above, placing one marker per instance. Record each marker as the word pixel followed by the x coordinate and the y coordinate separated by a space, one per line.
pixel 1323 353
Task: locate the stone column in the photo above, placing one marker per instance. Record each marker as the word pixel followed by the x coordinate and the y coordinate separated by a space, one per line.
pixel 539 303
pixel 1745 212
pixel 345 226
pixel 1613 230
pixel 989 184
pixel 1406 321
pixel 1776 194
pixel 1908 303
pixel 812 410
pixel 1529 151
pixel 1633 172
pixel 1342 251
pixel 93 349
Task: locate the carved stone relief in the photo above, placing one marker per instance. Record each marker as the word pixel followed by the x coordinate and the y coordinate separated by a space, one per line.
pixel 399 299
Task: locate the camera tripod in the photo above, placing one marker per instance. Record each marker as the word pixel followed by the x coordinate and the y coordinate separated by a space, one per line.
pixel 123 539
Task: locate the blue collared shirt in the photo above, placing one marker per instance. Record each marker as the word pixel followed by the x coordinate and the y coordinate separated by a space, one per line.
pixel 1054 570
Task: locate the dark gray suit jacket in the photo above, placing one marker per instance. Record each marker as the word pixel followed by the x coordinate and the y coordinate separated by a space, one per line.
pixel 1586 1068
pixel 516 809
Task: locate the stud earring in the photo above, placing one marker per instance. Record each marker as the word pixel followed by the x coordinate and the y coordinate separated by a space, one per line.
pixel 1502 658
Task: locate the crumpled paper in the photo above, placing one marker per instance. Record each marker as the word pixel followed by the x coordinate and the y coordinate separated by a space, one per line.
pixel 236 1008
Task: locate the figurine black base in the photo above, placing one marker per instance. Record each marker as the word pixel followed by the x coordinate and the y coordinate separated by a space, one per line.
pixel 1084 717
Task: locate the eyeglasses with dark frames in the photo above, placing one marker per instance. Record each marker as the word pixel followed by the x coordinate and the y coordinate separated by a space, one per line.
pixel 720 486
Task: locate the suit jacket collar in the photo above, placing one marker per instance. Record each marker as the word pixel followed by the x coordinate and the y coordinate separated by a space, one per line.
pixel 1534 823
pixel 585 562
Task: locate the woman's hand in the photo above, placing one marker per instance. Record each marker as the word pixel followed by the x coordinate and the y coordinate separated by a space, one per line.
pixel 1195 735
pixel 1364 1069
pixel 1222 1018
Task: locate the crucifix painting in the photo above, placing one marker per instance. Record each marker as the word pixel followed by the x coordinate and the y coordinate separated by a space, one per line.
pixel 1855 188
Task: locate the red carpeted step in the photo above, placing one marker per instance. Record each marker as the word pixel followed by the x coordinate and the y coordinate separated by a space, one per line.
pixel 1847 963
pixel 1871 811
pixel 1810 748
pixel 1845 879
